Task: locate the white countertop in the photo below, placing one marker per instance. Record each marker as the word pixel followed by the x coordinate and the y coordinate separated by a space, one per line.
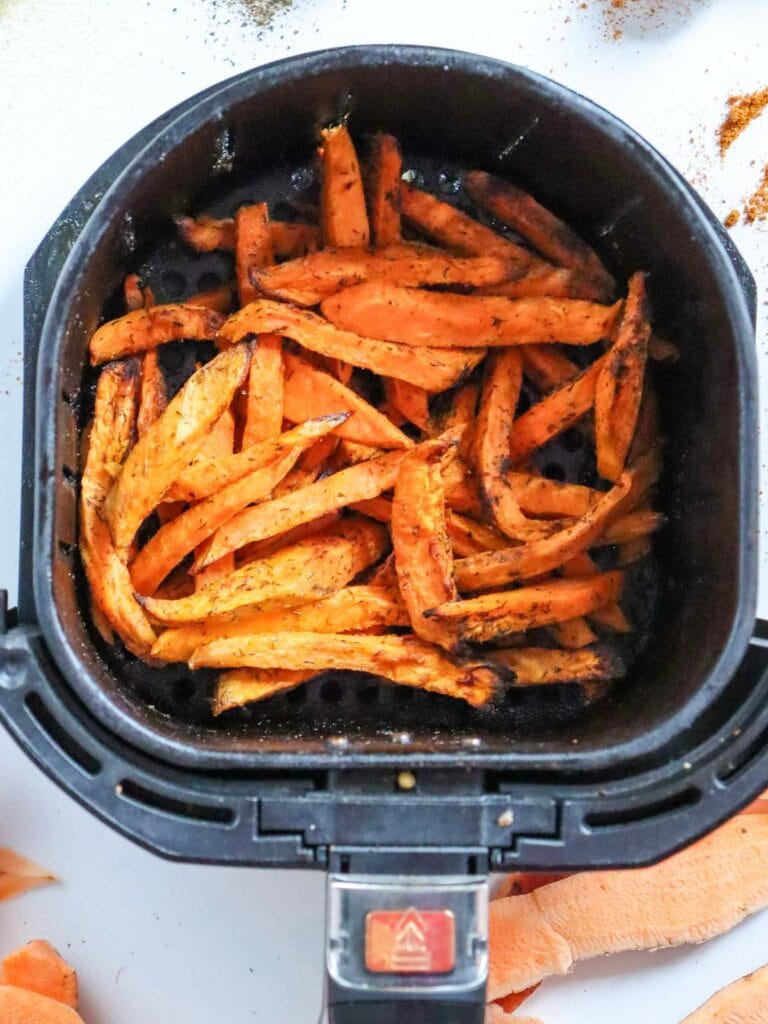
pixel 162 943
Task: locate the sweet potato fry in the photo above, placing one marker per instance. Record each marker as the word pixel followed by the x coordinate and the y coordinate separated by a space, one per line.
pixel 557 282
pixel 305 571
pixel 265 404
pixel 480 619
pixel 631 526
pixel 320 455
pixel 18 875
pixel 134 296
pixel 289 240
pixel 293 239
pixel 350 452
pixel 539 556
pixel 634 551
pixel 458 232
pixel 385 166
pixel 170 442
pixel 405 660
pixel 248 685
pixel 342 201
pixel 539 496
pixel 547 233
pixel 409 399
pixel 37 967
pixel 176 539
pixel 469 537
pixel 459 415
pixel 413 316
pixel 742 1002
pixel 423 556
pixel 219 299
pixel 309 280
pixel 610 616
pixel 539 666
pixel 548 367
pixel 573 634
pixel 546 932
pixel 299 477
pixel 498 401
pixel 558 411
pixel 619 387
pixel 662 350
pixel 434 369
pixel 253 247
pixel 153 397
pixel 309 388
pixel 265 548
pixel 143 329
pixel 349 610
pixel 18 1006
pixel 365 480
pixel 462 493
pixel 495 1013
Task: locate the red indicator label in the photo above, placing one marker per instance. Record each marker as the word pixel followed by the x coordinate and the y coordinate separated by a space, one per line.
pixel 410 941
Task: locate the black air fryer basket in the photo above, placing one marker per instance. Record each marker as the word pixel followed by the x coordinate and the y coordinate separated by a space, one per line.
pixel 314 778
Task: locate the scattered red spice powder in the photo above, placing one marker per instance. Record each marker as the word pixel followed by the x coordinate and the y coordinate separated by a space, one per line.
pixel 742 110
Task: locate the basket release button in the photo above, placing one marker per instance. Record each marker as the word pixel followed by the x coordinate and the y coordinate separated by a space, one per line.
pixel 410 941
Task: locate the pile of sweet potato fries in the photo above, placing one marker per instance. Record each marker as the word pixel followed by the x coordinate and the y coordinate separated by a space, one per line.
pixel 348 483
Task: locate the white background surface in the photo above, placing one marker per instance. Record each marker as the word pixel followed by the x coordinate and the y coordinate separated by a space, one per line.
pixel 162 943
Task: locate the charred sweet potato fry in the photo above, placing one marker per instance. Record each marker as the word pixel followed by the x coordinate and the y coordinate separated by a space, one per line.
pixel 385 166
pixel 434 369
pixel 305 571
pixel 134 296
pixel 205 234
pixel 405 660
pixel 539 556
pixel 153 397
pixel 619 386
pixel 413 316
pixel 170 442
pixel 144 329
pixel 343 215
pixel 547 233
pixel 248 685
pixel 309 280
pixel 365 480
pixel 539 666
pixel 480 619
pixel 309 388
pixel 409 399
pixel 423 556
pixel 349 610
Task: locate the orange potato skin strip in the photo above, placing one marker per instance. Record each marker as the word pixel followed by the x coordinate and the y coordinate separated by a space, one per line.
pixel 405 660
pixel 144 329
pixel 423 556
pixel 264 407
pixel 343 217
pixel 459 232
pixel 18 874
pixel 413 316
pixel 18 1006
pixel 540 666
pixel 545 933
pixel 479 619
pixel 409 399
pixel 434 369
pixel 348 610
pixel 247 685
pixel 547 233
pixel 308 570
pixel 385 167
pixel 539 556
pixel 364 480
pixel 555 413
pixel 253 247
pixel 37 967
pixel 159 456
pixel 498 401
pixel 310 279
pixel 742 1002
pixel 309 388
pixel 619 387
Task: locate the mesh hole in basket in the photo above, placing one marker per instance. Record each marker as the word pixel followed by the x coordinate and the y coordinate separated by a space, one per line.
pixel 297 696
pixel 183 690
pixel 331 691
pixel 572 440
pixel 554 471
pixel 208 281
pixel 173 283
pixel 524 402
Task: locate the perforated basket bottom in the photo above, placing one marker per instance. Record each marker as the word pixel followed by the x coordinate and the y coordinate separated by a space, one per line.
pixel 352 704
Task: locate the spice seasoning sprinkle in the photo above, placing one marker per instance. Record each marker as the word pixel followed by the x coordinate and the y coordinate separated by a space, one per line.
pixel 742 111
pixel 732 219
pixel 756 207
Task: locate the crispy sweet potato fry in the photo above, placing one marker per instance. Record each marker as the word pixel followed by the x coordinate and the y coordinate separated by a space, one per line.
pixel 170 442
pixel 405 660
pixel 365 480
pixel 320 455
pixel 134 296
pixel 385 166
pixel 349 610
pixel 293 239
pixel 434 369
pixel 631 526
pixel 350 452
pixel 153 397
pixel 573 634
pixel 460 416
pixel 176 539
pixel 469 537
pixel 547 233
pixel 289 240
pixel 538 666
pixel 409 399
pixel 456 231
pixel 610 616
pixel 548 367
pixel 265 548
pixel 423 556
pixel 219 299
pixel 413 316
pixel 546 932
pixel 552 415
pixel 143 329
pixel 309 280
pixel 619 385
pixel 342 202
pixel 557 282
pixel 309 388
pixel 539 496
pixel 265 404
pixel 253 247
pixel 498 401
pixel 480 619
pixel 18 874
pixel 305 571
pixel 461 491
pixel 37 967
pixel 248 685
